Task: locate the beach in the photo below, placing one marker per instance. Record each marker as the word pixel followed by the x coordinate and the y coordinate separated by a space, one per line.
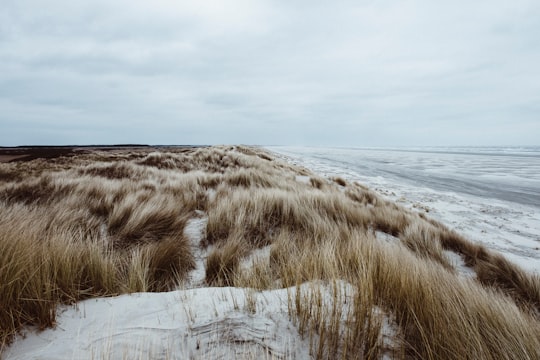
pixel 492 195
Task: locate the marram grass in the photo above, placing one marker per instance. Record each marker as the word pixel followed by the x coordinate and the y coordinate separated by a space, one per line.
pixel 107 223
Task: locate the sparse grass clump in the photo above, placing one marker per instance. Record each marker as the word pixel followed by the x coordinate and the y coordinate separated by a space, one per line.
pixel 339 181
pixel 422 240
pixel 102 224
pixel 224 260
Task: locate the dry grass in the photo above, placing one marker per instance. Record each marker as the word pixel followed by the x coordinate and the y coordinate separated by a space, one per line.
pixel 223 262
pixel 422 240
pixel 101 224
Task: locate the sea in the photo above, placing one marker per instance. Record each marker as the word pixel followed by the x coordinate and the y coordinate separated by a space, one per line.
pixel 506 173
pixel 489 194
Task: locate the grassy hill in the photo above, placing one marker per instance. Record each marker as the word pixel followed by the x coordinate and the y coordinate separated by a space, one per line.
pixel 103 223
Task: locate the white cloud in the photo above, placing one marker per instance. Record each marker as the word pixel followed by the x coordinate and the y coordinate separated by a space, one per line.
pixel 270 72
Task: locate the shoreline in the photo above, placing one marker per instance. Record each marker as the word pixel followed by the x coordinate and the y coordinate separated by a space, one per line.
pixel 508 227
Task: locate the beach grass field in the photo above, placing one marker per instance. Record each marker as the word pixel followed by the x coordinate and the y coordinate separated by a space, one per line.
pixel 356 275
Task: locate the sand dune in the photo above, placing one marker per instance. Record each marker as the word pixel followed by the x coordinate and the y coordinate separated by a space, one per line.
pixel 222 252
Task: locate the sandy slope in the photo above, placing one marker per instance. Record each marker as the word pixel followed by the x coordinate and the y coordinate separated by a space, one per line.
pixel 206 323
pixel 197 323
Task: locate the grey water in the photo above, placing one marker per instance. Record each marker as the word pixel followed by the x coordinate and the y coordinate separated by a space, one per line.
pixel 505 173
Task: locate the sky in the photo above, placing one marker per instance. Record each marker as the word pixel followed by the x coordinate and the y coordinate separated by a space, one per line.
pixel 317 73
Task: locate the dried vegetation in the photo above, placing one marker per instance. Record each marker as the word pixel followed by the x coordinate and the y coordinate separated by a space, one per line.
pixel 106 223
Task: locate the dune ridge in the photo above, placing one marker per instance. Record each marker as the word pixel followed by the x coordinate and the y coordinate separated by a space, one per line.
pixel 359 276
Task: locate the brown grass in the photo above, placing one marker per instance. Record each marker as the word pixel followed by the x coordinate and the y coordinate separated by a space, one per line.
pixel 422 240
pixel 223 261
pixel 101 224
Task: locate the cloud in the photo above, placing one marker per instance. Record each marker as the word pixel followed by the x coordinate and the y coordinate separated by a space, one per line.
pixel 413 72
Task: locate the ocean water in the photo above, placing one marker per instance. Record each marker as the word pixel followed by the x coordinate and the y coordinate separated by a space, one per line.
pixel 505 173
pixel 491 195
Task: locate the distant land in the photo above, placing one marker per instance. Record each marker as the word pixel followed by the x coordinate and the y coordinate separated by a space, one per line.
pixel 31 152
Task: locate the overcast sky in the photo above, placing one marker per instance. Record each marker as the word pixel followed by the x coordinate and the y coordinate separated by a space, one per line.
pixel 339 73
